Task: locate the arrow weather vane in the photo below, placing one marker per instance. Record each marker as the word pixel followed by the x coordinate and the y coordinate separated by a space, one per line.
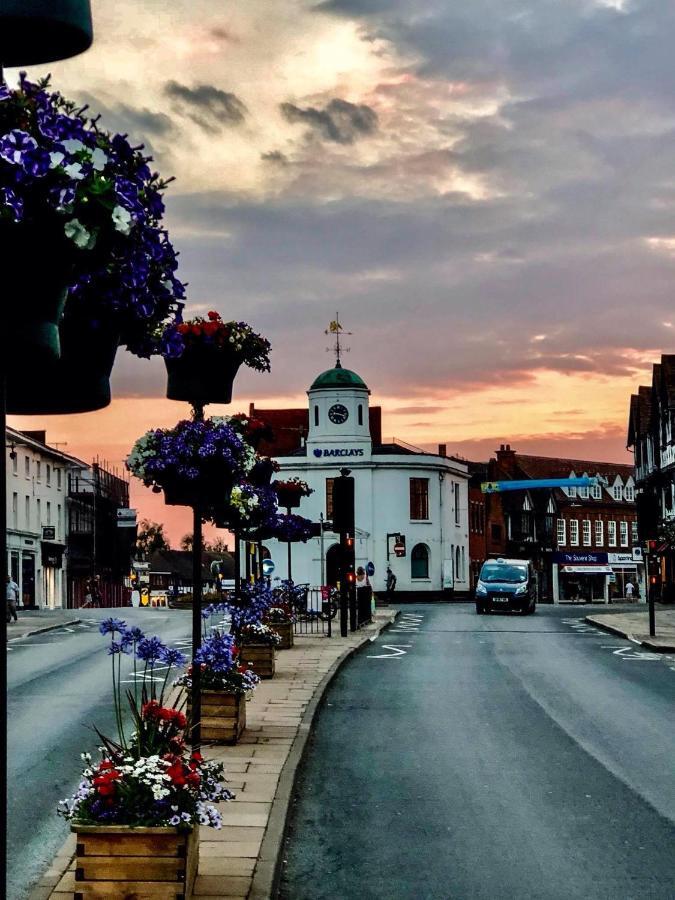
pixel 336 328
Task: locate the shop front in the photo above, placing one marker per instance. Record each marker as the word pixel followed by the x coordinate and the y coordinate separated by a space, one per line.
pixel 580 577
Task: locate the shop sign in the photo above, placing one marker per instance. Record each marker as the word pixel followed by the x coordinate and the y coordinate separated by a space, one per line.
pixel 617 559
pixel 587 570
pixel 126 518
pixel 581 558
pixel 338 451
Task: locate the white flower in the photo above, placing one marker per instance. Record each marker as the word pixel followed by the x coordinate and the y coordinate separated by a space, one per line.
pixel 76 231
pixel 56 159
pixel 72 145
pixel 98 159
pixel 122 219
pixel 74 171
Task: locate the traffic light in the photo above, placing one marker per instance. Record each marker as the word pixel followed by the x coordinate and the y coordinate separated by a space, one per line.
pixel 343 504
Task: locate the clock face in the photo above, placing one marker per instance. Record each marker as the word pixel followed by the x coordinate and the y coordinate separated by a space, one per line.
pixel 338 414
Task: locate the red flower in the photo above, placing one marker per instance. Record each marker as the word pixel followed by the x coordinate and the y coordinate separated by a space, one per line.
pixel 176 773
pixel 193 779
pixel 183 328
pixel 214 316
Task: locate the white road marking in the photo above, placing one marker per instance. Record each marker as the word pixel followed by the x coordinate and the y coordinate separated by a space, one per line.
pixel 397 654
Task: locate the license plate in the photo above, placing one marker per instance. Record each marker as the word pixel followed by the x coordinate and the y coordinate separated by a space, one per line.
pixel 500 599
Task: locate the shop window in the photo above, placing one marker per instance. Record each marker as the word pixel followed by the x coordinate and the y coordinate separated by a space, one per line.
pixel 611 534
pixel 419 561
pixel 623 533
pixel 419 498
pixel 561 527
pixel 599 533
pixel 574 532
pixel 586 532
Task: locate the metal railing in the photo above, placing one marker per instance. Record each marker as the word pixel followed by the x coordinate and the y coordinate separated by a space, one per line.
pixel 315 614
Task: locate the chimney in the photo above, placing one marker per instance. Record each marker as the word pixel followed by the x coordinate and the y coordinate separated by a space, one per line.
pixel 506 458
pixel 442 449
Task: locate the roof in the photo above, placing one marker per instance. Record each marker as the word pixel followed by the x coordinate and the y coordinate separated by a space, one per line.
pixel 338 377
pixel 291 426
pixel 36 440
pixel 558 467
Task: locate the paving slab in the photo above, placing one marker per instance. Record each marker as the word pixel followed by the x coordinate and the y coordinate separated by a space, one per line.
pixel 635 626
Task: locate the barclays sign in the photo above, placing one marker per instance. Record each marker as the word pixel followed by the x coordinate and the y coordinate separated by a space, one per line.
pixel 338 451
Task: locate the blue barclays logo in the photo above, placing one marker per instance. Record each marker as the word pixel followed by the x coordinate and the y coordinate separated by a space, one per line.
pixel 339 451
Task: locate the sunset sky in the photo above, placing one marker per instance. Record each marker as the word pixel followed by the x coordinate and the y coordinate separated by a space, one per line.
pixel 485 190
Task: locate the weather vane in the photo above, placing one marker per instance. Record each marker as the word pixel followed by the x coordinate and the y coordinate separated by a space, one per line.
pixel 336 328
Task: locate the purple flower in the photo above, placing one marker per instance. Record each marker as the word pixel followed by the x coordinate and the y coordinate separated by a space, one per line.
pixel 173 657
pixel 15 144
pixel 150 650
pixel 11 201
pixel 110 626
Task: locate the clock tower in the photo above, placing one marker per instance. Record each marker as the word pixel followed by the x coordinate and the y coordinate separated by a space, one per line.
pixel 339 428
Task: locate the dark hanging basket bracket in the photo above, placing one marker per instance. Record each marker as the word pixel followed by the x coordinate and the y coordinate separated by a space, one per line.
pixel 202 375
pixel 204 491
pixel 287 497
pixel 42 31
pixel 78 382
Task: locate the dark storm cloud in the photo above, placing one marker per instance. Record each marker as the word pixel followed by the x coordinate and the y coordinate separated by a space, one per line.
pixel 206 105
pixel 140 123
pixel 275 156
pixel 339 121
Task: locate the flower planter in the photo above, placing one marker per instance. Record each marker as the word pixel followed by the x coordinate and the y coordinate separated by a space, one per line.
pixel 223 716
pixel 260 658
pixel 288 499
pixel 123 862
pixel 205 490
pixel 285 632
pixel 36 271
pixel 77 382
pixel 202 375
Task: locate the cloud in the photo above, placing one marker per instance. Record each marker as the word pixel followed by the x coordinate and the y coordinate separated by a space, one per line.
pixel 206 105
pixel 339 121
pixel 275 156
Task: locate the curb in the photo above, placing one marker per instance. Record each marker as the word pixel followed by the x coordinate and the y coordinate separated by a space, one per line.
pixel 44 629
pixel 650 643
pixel 267 870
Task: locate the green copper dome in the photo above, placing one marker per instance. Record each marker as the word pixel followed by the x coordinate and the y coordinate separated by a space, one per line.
pixel 338 378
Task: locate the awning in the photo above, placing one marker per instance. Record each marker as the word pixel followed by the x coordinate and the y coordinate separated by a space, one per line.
pixel 587 570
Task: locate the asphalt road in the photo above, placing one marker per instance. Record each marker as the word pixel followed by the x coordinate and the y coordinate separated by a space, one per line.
pixel 59 685
pixel 491 757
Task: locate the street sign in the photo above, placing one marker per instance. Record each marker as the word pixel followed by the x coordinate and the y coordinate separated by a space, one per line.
pixel 48 532
pixel 399 548
pixel 370 569
pixel 268 566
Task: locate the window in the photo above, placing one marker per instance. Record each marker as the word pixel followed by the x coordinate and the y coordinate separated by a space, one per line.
pixel 596 490
pixel 583 491
pixel 617 491
pixel 48 474
pixel 49 513
pixel 611 534
pixel 419 498
pixel 458 574
pixel 630 493
pixel 463 578
pixel 15 463
pixel 635 537
pixel 586 532
pixel 419 561
pixel 599 532
pixel 27 513
pixel 15 510
pixel 574 532
pixel 562 532
pixel 495 532
pixel 38 524
pixel 27 466
pixel 329 498
pixel 58 520
pixel 58 478
pixel 316 415
pixel 455 488
pixel 623 532
pixel 38 470
pixel 360 413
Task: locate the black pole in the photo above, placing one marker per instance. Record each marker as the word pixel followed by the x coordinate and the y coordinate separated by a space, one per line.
pixel 290 556
pixel 344 586
pixel 3 580
pixel 247 551
pixel 651 590
pixel 196 624
pixel 237 564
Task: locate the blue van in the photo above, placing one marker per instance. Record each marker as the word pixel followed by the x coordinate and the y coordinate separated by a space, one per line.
pixel 509 584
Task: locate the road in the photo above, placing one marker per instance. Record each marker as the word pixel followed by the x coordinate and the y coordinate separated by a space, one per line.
pixel 491 757
pixel 59 685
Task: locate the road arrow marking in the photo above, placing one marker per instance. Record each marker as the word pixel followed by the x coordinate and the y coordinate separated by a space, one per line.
pixel 395 655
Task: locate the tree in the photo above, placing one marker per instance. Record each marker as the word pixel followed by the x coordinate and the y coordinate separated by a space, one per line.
pixel 218 546
pixel 150 537
pixel 186 542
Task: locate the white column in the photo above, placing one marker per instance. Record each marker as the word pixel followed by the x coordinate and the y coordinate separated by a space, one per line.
pixel 556 583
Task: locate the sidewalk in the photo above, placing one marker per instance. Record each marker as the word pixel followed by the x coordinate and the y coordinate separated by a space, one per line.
pixel 239 862
pixel 635 626
pixel 36 621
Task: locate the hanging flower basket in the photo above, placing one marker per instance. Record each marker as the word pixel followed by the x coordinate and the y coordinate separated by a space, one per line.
pixel 77 382
pixel 290 492
pixel 193 462
pixel 248 507
pixel 203 356
pixel 291 528
pixel 80 225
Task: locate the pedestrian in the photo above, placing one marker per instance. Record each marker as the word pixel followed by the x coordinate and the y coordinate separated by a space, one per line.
pixel 630 588
pixel 362 578
pixel 391 584
pixel 12 599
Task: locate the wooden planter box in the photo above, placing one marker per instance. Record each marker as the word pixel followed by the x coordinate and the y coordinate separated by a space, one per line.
pixel 126 863
pixel 223 716
pixel 260 658
pixel 285 632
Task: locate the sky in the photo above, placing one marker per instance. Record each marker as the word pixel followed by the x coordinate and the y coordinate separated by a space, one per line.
pixel 484 191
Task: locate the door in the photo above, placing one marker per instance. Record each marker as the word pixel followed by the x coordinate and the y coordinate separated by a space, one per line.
pixel 333 565
pixel 28 580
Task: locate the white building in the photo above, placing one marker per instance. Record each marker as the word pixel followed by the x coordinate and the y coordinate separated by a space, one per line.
pixel 37 515
pixel 398 491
